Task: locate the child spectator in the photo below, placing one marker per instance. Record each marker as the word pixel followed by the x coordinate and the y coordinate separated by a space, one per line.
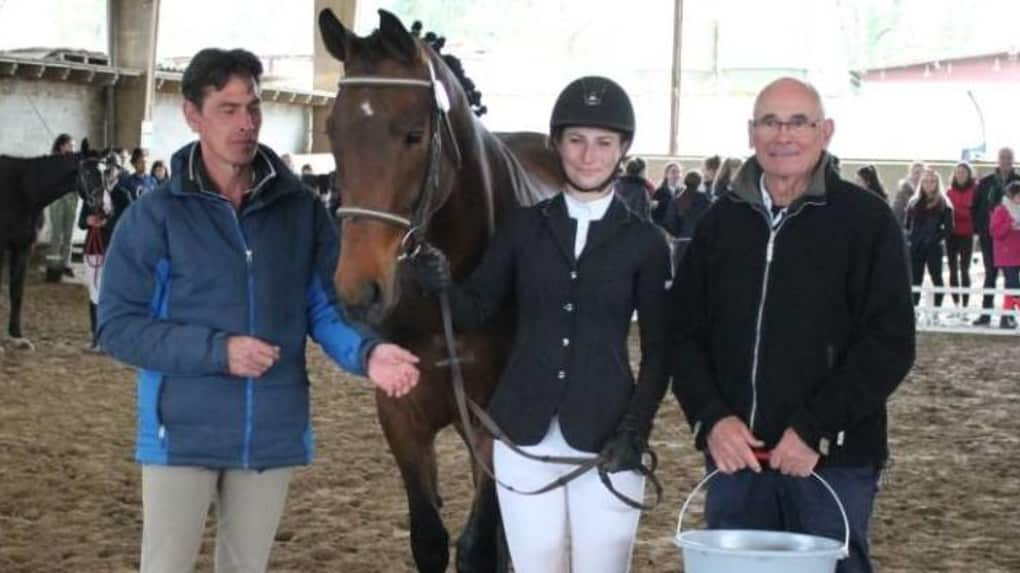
pixel 929 220
pixel 1005 231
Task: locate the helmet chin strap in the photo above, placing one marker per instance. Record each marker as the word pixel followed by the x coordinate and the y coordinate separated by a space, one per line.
pixel 595 188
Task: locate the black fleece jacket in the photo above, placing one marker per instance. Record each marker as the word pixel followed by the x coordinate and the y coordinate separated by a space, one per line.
pixel 806 325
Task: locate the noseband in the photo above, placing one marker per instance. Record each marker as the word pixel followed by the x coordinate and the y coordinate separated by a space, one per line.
pixel 92 196
pixel 415 226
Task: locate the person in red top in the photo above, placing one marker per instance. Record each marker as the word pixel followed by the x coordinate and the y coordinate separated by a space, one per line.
pixel 1005 231
pixel 960 244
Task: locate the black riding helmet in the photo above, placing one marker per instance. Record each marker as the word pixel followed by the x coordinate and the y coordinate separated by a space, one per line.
pixel 593 101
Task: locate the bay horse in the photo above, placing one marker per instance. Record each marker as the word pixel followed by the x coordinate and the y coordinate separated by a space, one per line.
pixel 27 186
pixel 415 163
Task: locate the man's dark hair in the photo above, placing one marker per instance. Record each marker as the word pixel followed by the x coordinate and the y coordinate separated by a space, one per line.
pixel 713 162
pixel 692 180
pixel 137 154
pixel 635 166
pixel 61 140
pixel 213 68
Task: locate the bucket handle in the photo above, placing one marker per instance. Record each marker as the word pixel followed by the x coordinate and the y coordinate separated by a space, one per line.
pixel 846 522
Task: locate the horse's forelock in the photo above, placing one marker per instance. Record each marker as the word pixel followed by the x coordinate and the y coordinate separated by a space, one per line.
pixel 376 47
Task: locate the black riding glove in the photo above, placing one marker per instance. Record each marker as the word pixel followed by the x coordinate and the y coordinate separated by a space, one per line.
pixel 623 451
pixel 432 269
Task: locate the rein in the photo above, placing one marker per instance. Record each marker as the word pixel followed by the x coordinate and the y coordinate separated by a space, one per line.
pixel 583 464
pixel 411 245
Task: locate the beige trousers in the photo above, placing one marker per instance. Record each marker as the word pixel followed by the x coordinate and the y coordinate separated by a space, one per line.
pixel 175 503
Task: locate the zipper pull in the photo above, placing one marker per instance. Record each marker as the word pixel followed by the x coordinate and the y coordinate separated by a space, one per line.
pixel 248 255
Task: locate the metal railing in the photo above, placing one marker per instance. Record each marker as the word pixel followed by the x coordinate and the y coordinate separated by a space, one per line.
pixel 952 319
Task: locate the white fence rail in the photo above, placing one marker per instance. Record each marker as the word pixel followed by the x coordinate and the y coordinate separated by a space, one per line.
pixel 953 319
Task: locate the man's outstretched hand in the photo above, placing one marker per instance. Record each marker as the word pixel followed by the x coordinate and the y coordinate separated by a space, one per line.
pixel 393 369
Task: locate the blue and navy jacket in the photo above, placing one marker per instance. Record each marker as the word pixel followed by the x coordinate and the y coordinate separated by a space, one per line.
pixel 185 271
pixel 137 185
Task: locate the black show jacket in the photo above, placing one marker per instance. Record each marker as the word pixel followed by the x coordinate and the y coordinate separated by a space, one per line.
pixel 570 355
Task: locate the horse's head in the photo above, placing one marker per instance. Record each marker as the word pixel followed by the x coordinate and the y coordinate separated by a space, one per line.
pixel 392 135
pixel 98 172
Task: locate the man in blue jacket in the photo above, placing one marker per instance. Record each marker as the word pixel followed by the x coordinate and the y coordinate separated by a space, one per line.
pixel 211 289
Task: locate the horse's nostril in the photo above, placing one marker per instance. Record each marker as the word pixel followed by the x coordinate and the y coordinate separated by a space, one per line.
pixel 370 294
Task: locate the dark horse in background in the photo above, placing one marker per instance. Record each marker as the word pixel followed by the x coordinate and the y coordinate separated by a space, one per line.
pixel 383 134
pixel 27 186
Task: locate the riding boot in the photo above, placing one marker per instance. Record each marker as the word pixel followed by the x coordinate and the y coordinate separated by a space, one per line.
pixel 94 345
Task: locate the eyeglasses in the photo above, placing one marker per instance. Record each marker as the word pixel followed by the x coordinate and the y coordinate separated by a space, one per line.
pixel 797 125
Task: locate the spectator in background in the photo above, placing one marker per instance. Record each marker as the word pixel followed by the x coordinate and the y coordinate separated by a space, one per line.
pixel 928 223
pixel 709 169
pixel 905 191
pixel 960 244
pixel 139 182
pixel 726 174
pixel 98 218
pixel 160 172
pixel 835 165
pixel 123 157
pixel 635 190
pixel 1005 231
pixel 667 190
pixel 987 197
pixel 61 214
pixel 288 160
pixel 684 213
pixel 333 202
pixel 868 178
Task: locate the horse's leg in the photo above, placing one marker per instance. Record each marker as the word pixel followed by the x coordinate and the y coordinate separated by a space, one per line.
pixel 3 252
pixel 19 271
pixel 479 545
pixel 411 438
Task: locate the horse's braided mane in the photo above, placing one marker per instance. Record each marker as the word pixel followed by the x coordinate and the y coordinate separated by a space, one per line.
pixel 474 97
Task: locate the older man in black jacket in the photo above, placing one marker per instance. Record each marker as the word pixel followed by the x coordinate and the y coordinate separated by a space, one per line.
pixel 791 326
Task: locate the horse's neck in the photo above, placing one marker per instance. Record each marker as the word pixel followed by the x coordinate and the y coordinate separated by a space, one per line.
pixel 49 178
pixel 497 175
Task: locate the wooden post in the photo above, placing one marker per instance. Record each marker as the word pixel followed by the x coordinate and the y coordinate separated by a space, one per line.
pixel 674 93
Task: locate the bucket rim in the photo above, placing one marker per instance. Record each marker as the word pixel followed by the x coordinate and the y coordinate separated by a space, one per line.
pixel 683 541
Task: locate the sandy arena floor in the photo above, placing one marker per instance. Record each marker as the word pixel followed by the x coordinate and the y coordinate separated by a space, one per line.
pixel 70 500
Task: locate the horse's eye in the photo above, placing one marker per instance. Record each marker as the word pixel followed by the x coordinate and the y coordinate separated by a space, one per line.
pixel 414 137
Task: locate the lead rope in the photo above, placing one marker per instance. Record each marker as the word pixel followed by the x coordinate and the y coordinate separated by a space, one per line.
pixel 583 464
pixel 94 253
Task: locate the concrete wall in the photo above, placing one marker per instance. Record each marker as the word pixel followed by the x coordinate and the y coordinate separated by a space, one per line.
pixel 64 108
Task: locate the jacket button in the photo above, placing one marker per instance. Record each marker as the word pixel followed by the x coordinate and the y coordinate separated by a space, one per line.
pixel 573 275
pixel 561 374
pixel 566 342
pixel 569 307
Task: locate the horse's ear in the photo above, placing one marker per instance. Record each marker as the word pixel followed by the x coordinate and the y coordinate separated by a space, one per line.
pixel 334 35
pixel 396 36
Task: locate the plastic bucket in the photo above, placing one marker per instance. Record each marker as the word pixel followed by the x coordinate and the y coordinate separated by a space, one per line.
pixel 757 551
